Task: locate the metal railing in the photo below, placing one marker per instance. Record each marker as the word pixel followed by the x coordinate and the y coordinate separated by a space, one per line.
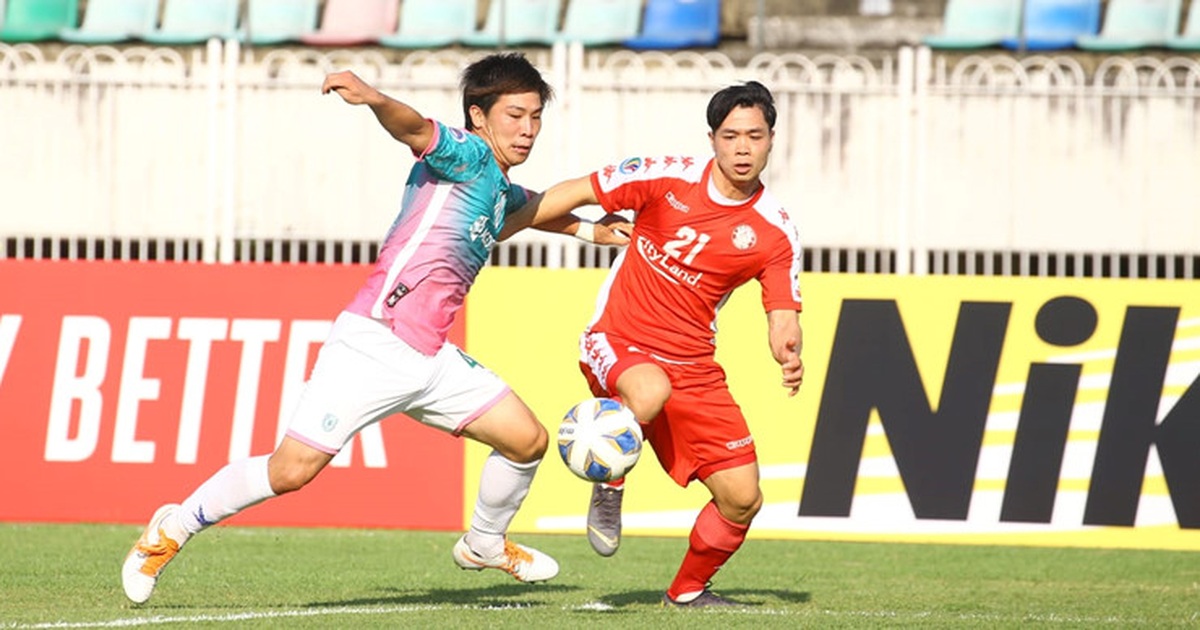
pixel 908 164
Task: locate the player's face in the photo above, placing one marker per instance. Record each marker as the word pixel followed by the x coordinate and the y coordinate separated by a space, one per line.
pixel 742 145
pixel 510 127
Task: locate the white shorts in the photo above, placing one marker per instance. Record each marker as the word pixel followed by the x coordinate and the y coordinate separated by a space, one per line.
pixel 364 373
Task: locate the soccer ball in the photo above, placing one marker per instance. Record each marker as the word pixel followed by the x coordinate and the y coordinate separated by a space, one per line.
pixel 599 440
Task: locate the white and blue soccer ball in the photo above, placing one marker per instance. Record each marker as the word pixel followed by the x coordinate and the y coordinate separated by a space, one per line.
pixel 600 440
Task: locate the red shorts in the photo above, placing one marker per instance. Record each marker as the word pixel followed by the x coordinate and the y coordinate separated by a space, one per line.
pixel 701 430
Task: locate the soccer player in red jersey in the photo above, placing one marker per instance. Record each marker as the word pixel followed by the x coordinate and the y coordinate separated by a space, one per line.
pixel 702 227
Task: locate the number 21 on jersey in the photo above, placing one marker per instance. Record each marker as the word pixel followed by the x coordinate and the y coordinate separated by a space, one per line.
pixel 689 240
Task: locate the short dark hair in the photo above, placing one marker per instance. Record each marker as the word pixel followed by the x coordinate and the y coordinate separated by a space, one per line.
pixel 748 94
pixel 485 81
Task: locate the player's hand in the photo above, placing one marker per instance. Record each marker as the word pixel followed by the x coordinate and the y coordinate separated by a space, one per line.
pixel 793 369
pixel 613 229
pixel 347 85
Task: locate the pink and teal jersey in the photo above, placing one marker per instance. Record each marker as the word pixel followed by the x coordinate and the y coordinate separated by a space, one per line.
pixel 455 202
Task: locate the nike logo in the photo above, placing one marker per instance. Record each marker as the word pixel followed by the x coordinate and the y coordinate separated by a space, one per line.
pixel 611 541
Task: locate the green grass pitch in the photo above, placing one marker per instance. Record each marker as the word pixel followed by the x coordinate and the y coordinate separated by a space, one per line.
pixel 68 576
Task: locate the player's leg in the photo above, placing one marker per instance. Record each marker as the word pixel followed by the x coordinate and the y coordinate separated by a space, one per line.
pixel 342 387
pixel 233 488
pixel 640 384
pixel 518 441
pixel 718 533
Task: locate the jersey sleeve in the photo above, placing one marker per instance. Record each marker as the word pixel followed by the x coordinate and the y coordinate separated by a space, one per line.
pixel 628 185
pixel 517 197
pixel 455 154
pixel 780 276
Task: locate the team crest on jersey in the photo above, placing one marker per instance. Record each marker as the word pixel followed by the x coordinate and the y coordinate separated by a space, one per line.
pixel 630 166
pixel 744 237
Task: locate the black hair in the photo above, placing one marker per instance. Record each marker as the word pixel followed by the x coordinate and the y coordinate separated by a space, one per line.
pixel 748 94
pixel 485 81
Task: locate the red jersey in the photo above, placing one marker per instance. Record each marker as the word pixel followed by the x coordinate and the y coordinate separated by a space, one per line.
pixel 687 254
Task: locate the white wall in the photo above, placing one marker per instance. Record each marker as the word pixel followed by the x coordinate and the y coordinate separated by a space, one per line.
pixel 990 154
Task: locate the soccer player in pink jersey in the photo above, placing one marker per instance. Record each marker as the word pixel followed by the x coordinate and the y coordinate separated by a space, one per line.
pixel 388 352
pixel 702 227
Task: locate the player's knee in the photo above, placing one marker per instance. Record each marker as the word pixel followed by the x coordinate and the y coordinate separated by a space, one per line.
pixel 741 507
pixel 532 448
pixel 646 394
pixel 290 476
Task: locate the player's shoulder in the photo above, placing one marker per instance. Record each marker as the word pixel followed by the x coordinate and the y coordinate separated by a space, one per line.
pixel 687 168
pixel 774 213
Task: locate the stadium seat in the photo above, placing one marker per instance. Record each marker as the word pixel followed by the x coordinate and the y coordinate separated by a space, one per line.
pixel 195 21
pixel 110 21
pixel 1190 38
pixel 977 24
pixel 354 22
pixel 38 20
pixel 1134 24
pixel 600 22
pixel 1056 24
pixel 432 23
pixel 524 22
pixel 671 24
pixel 278 21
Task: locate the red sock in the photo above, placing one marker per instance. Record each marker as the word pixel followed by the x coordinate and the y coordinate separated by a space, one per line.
pixel 714 539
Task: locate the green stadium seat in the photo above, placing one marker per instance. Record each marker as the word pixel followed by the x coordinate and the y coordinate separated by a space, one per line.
pixel 432 23
pixel 524 22
pixel 354 22
pixel 110 21
pixel 195 21
pixel 969 24
pixel 675 24
pixel 278 21
pixel 38 20
pixel 600 22
pixel 1134 24
pixel 1190 38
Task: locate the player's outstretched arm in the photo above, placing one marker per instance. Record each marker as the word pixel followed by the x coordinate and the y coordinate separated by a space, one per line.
pixel 551 212
pixel 403 122
pixel 787 340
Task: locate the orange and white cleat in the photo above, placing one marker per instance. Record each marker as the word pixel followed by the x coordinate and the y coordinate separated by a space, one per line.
pixel 149 556
pixel 524 563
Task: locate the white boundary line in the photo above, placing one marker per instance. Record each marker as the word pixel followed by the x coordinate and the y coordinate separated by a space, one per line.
pixel 751 611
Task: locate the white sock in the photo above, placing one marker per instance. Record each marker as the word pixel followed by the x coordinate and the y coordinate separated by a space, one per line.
pixel 232 489
pixel 503 485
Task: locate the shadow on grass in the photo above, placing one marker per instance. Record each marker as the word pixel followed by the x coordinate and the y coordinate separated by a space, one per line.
pixel 747 597
pixel 496 595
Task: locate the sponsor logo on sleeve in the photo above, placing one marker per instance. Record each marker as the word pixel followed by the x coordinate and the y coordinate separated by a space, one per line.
pixel 630 166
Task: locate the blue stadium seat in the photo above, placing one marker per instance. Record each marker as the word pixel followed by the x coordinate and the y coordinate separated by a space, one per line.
pixel 524 22
pixel 1056 24
pixel 432 23
pixel 195 21
pixel 977 24
pixel 110 21
pixel 1134 24
pixel 672 24
pixel 278 21
pixel 1190 38
pixel 600 22
pixel 354 22
pixel 38 20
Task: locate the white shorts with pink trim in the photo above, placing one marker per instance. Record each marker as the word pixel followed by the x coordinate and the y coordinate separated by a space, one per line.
pixel 364 373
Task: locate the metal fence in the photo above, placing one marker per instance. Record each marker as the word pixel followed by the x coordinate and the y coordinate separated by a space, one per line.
pixel 907 164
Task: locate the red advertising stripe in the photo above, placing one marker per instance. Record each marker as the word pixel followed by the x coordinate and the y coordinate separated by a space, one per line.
pixel 124 385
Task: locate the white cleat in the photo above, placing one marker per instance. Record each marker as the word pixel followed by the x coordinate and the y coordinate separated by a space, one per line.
pixel 149 556
pixel 524 563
